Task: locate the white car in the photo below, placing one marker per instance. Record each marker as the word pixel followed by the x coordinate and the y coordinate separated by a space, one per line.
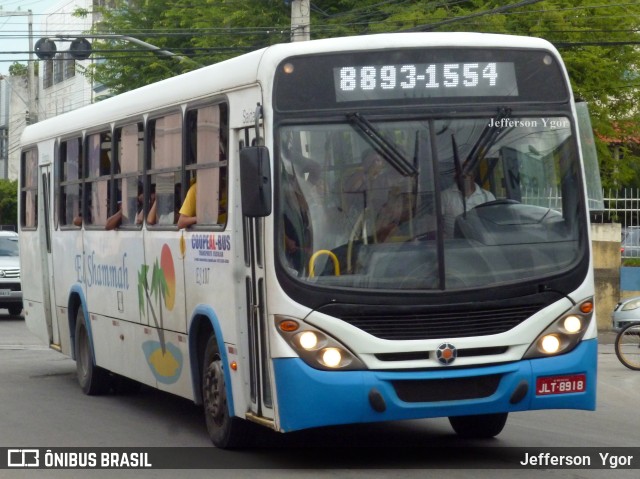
pixel 10 286
pixel 625 312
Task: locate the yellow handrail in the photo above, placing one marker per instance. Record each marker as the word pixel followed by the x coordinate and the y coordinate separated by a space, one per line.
pixel 334 258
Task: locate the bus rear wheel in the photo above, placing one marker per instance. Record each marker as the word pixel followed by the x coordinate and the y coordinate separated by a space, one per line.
pixel 481 426
pixel 225 431
pixel 92 379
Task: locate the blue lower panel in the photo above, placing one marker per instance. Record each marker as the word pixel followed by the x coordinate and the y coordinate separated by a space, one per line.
pixel 309 398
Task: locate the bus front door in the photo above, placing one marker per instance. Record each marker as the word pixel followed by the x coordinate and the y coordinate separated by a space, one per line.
pixel 45 212
pixel 261 392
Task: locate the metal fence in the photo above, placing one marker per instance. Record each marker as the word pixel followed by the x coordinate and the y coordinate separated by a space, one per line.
pixel 623 207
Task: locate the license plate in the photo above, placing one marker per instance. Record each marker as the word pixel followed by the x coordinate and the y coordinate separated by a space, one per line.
pixel 575 383
pixel 5 292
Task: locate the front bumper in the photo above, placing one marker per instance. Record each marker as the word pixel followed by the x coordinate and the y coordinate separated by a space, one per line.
pixel 312 398
pixel 9 296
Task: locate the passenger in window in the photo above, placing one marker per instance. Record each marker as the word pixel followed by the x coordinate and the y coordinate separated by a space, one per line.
pixel 375 188
pixel 453 204
pixel 116 219
pixel 169 217
pixel 224 198
pixel 188 210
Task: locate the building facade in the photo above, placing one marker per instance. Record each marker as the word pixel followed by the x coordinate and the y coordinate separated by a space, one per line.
pixel 60 85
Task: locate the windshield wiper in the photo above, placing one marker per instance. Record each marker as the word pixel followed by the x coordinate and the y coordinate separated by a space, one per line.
pixel 387 149
pixel 486 140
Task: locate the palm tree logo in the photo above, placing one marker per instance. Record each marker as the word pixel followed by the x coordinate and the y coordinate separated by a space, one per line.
pixel 165 359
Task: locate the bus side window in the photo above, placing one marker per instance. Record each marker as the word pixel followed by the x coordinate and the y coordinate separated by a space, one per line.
pixel 207 147
pixel 100 204
pixel 128 168
pixel 29 200
pixel 70 192
pixel 165 168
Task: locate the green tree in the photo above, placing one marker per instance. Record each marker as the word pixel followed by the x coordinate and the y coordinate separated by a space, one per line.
pixel 9 202
pixel 206 32
pixel 596 42
pixel 21 70
pixel 18 69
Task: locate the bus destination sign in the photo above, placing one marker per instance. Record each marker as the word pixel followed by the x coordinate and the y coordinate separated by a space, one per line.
pixel 424 80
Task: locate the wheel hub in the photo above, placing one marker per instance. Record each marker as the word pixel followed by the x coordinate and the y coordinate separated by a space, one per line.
pixel 213 392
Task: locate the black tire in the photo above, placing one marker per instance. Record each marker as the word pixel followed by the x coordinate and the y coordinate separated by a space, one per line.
pixel 92 379
pixel 225 431
pixel 481 426
pixel 627 346
pixel 15 309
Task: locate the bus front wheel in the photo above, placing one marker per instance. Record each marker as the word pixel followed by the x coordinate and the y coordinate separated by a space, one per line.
pixel 92 379
pixel 225 431
pixel 481 426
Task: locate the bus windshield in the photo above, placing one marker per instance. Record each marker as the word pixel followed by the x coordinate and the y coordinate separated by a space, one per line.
pixel 449 203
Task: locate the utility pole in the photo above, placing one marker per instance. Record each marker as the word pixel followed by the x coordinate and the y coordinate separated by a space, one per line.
pixel 300 20
pixel 33 111
pixel 30 66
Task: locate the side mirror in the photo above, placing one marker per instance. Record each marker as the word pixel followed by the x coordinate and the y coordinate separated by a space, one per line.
pixel 255 181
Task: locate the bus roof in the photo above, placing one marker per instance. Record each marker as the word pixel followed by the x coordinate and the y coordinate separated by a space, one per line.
pixel 251 68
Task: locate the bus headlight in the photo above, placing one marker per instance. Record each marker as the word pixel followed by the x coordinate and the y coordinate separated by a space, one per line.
pixel 572 324
pixel 564 333
pixel 550 344
pixel 315 347
pixel 308 340
pixel 331 357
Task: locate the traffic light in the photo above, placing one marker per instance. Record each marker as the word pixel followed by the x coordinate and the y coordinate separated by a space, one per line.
pixel 45 49
pixel 80 49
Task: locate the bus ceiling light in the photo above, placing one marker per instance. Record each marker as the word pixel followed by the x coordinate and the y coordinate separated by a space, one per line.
pixel 316 348
pixel 288 68
pixel 564 334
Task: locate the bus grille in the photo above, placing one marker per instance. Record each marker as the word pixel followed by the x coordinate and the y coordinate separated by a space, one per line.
pixel 454 389
pixel 442 324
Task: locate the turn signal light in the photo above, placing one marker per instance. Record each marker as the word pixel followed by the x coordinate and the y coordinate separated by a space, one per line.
pixel 586 307
pixel 288 326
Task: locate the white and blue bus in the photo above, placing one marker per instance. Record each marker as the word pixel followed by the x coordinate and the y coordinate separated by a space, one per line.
pixel 386 227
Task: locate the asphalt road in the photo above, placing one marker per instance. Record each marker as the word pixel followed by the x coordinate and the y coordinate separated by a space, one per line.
pixel 42 406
